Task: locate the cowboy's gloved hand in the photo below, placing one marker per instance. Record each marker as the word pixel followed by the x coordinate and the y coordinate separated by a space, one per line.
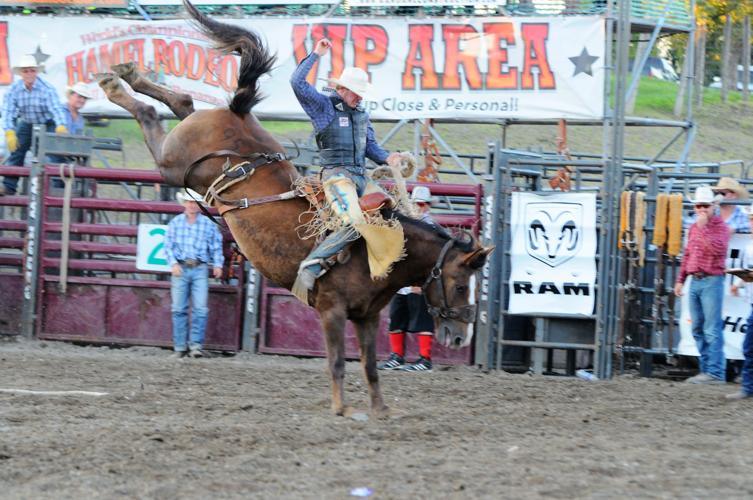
pixel 394 159
pixel 11 140
pixel 61 129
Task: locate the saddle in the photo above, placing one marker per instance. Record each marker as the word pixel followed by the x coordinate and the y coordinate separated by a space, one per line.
pixel 311 187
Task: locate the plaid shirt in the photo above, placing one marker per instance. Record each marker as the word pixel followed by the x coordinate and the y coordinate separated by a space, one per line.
pixel 319 108
pixel 201 240
pixel 739 221
pixel 706 251
pixel 35 106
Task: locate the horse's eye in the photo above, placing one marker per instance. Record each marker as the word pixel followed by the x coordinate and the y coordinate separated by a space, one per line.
pixel 461 289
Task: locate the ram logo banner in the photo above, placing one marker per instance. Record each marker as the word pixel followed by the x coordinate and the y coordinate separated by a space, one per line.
pixel 553 254
pixel 473 69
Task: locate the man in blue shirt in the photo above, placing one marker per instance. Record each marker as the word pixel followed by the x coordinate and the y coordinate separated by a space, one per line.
pixel 345 138
pixel 192 243
pixel 29 101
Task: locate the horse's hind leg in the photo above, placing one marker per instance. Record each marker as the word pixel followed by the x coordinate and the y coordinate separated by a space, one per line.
pixel 180 104
pixel 333 323
pixel 366 330
pixel 146 115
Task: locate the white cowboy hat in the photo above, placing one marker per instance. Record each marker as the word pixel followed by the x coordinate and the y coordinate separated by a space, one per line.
pixel 185 195
pixel 730 184
pixel 421 194
pixel 80 89
pixel 354 79
pixel 703 194
pixel 26 61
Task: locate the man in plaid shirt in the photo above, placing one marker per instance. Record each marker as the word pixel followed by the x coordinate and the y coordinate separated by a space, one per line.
pixel 29 101
pixel 704 259
pixel 192 243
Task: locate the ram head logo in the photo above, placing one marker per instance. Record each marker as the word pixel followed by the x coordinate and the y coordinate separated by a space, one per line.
pixel 553 231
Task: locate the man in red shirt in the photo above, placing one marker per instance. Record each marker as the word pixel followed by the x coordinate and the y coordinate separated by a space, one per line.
pixel 704 259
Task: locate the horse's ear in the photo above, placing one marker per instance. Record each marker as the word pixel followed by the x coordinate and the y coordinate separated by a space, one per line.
pixel 477 258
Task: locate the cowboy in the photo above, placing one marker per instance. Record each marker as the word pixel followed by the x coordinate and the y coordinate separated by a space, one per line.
pixel 345 138
pixel 76 97
pixel 733 215
pixel 704 259
pixel 29 101
pixel 192 243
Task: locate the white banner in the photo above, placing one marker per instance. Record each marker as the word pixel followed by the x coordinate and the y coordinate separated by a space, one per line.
pixel 475 69
pixel 553 254
pixel 735 310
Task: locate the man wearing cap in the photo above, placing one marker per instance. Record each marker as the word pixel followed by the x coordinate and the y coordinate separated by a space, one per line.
pixel 192 243
pixel 76 97
pixel 29 101
pixel 732 215
pixel 409 312
pixel 704 259
pixel 345 138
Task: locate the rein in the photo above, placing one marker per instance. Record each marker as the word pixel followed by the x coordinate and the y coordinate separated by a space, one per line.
pixel 235 174
pixel 465 314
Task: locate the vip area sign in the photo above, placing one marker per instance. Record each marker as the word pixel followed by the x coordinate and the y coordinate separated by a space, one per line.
pixel 553 254
pixel 150 248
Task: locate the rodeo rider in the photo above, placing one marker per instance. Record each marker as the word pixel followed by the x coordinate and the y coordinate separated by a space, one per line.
pixel 345 138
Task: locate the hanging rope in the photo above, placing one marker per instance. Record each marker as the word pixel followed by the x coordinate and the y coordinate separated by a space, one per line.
pixel 432 159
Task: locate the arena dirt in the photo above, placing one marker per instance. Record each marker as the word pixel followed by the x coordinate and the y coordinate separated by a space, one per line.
pixel 254 426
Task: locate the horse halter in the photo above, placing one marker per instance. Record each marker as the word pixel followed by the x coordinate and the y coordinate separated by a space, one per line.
pixel 464 314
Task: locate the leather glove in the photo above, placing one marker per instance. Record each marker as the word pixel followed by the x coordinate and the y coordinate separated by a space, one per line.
pixel 60 129
pixel 11 140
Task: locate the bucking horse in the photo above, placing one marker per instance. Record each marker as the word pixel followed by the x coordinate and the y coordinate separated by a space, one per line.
pixel 227 152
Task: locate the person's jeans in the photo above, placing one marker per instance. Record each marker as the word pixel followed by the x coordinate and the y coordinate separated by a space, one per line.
pixel 24 132
pixel 747 371
pixel 705 297
pixel 193 282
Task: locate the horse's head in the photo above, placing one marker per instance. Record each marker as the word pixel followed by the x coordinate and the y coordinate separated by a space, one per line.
pixel 450 289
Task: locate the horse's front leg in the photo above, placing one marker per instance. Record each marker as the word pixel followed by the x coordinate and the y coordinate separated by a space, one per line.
pixel 179 103
pixel 333 323
pixel 366 330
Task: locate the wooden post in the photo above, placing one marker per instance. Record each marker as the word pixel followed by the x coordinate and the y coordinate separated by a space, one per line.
pixel 726 49
pixel 746 59
pixel 700 66
pixel 684 79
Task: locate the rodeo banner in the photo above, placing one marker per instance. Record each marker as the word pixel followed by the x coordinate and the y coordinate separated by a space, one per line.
pixel 475 69
pixel 553 254
pixel 735 310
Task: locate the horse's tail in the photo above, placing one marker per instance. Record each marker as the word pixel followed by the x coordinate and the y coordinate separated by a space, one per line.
pixel 255 58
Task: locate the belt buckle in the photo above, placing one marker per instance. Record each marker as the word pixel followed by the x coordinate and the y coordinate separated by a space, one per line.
pixel 699 275
pixel 190 262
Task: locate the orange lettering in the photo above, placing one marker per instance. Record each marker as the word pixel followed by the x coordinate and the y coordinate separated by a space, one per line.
pixel 456 56
pixel 421 57
pixel 74 65
pixel 500 75
pixel 6 76
pixel 370 43
pixel 534 43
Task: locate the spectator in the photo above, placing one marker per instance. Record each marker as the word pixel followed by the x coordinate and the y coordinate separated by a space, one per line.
pixel 192 241
pixel 746 390
pixel 29 101
pixel 409 311
pixel 76 97
pixel 733 215
pixel 704 259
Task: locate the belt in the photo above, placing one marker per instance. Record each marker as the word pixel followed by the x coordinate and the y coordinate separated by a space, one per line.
pixel 700 275
pixel 190 262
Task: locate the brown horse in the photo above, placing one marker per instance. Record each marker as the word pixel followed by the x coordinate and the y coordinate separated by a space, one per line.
pixel 205 144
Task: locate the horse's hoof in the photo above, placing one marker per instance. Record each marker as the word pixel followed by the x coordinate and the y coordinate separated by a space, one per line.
pixel 126 71
pixel 108 81
pixel 382 412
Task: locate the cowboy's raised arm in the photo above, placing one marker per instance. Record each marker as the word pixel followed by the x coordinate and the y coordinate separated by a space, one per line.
pixel 314 103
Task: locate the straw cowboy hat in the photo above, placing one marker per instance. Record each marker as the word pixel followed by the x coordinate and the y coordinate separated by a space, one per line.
pixel 421 194
pixel 703 194
pixel 26 61
pixel 730 184
pixel 354 79
pixel 80 89
pixel 185 195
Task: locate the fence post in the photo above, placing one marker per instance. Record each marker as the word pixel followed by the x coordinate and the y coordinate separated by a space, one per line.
pixel 30 265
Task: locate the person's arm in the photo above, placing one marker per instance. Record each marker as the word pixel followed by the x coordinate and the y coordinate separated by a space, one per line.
pixel 170 249
pixel 375 152
pixel 684 262
pixel 316 105
pixel 215 250
pixel 10 109
pixel 53 104
pixel 714 238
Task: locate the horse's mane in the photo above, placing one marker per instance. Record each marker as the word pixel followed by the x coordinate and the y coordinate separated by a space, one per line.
pixel 440 232
pixel 255 58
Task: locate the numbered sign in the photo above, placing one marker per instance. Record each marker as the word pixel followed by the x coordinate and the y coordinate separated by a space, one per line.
pixel 150 248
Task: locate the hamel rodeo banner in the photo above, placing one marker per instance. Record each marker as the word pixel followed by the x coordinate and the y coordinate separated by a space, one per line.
pixel 485 68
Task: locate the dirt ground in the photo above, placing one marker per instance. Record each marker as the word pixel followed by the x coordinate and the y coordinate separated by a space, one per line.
pixel 253 426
